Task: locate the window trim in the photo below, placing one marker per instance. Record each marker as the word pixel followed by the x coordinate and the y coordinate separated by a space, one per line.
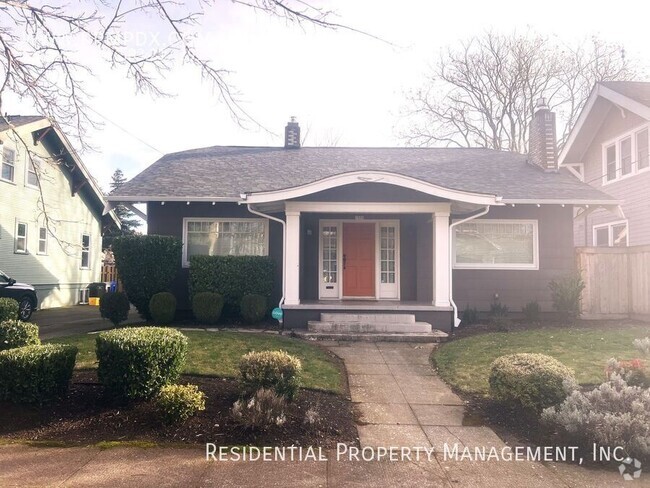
pixel 610 232
pixel 616 142
pixel 186 261
pixel 13 165
pixel 501 266
pixel 26 237
pixel 45 240
pixel 84 234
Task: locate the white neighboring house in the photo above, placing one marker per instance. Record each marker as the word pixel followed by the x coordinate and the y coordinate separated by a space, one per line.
pixel 62 256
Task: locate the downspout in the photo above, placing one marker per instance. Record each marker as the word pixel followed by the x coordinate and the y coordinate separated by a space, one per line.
pixel 451 259
pixel 284 243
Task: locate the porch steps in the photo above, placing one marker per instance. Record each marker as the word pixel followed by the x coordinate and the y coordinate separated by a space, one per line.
pixel 433 336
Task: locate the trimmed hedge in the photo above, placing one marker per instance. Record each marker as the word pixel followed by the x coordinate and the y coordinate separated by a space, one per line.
pixel 8 309
pixel 276 370
pixel 207 307
pixel 136 362
pixel 114 306
pixel 528 380
pixel 146 265
pixel 36 374
pixel 162 307
pixel 253 308
pixel 177 403
pixel 14 333
pixel 233 277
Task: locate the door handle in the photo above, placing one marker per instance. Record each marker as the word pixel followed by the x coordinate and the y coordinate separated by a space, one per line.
pixel 344 259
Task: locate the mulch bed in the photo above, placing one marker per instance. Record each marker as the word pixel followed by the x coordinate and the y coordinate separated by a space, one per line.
pixel 86 416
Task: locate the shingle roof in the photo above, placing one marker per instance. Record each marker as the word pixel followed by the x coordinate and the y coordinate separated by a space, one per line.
pixel 636 90
pixel 227 171
pixel 18 120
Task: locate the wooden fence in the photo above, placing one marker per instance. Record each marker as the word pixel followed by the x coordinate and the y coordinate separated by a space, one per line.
pixel 617 282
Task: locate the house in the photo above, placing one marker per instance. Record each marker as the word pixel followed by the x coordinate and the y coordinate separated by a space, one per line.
pixel 50 212
pixel 608 149
pixel 417 231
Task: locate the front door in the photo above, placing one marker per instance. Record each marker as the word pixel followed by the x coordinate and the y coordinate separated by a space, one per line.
pixel 358 260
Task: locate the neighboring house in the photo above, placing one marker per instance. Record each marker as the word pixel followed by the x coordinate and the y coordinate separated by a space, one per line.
pixel 375 229
pixel 608 149
pixel 62 256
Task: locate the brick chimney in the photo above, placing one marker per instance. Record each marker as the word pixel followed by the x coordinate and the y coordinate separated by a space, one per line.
pixel 542 146
pixel 292 135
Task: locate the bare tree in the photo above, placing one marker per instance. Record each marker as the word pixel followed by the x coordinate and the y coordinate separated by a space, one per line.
pixel 483 93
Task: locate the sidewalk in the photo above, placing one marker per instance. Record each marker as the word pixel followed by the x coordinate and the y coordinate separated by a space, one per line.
pixel 79 319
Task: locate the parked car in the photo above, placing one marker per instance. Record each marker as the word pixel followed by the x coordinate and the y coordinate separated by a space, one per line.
pixel 24 294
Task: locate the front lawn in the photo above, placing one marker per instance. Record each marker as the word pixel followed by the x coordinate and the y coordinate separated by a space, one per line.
pixel 465 363
pixel 218 354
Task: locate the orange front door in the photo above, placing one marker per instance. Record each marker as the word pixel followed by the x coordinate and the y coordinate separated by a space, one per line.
pixel 358 260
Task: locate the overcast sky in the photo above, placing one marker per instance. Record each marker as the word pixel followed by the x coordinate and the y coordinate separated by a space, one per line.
pixel 340 84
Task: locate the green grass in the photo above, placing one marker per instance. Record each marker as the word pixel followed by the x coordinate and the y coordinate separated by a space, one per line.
pixel 465 363
pixel 218 354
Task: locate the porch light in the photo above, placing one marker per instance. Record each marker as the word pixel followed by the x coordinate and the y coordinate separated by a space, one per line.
pixel 162 203
pixel 187 203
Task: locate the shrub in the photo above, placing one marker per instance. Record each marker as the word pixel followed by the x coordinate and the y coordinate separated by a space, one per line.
pixel 114 306
pixel 36 373
pixel 614 414
pixel 531 381
pixel 14 333
pixel 265 409
pixel 233 277
pixel 146 265
pixel 643 345
pixel 162 307
pixel 531 312
pixel 270 369
pixel 207 307
pixel 498 315
pixel 136 362
pixel 469 316
pixel 253 308
pixel 177 403
pixel 566 293
pixel 8 309
pixel 632 371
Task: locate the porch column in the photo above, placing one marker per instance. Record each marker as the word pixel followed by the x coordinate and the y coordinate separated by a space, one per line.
pixel 292 259
pixel 441 262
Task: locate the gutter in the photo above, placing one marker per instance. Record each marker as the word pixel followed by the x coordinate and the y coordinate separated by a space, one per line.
pixel 451 260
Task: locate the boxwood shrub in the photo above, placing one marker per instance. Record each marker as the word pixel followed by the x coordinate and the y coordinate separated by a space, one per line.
pixel 276 370
pixel 233 277
pixel 136 362
pixel 253 308
pixel 8 309
pixel 207 307
pixel 14 333
pixel 146 265
pixel 177 403
pixel 114 306
pixel 530 381
pixel 162 307
pixel 37 373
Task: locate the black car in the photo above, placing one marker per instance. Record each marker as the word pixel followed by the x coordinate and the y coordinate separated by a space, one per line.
pixel 24 294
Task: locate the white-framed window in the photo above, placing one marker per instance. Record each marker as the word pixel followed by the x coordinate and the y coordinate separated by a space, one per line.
pixel 20 245
pixel 496 244
pixel 31 179
pixel 626 155
pixel 42 240
pixel 612 234
pixel 224 237
pixel 8 165
pixel 85 251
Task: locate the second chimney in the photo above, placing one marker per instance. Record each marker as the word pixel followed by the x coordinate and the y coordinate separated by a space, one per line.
pixel 292 135
pixel 542 146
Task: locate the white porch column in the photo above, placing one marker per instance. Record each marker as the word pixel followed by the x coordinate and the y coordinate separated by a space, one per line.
pixel 292 259
pixel 441 261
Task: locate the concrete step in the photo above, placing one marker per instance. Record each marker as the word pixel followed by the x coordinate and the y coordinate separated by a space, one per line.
pixel 433 336
pixel 368 327
pixel 390 318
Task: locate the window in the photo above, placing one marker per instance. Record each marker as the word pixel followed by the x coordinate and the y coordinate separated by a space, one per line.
pixel 85 251
pixel 8 164
pixel 614 234
pixel 496 244
pixel 330 254
pixel 21 238
pixel 42 240
pixel 222 237
pixel 32 178
pixel 626 156
pixel 387 254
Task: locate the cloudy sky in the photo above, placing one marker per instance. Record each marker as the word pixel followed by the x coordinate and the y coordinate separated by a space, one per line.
pixel 341 85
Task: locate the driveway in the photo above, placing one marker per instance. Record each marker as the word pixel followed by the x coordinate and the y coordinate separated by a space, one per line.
pixel 79 319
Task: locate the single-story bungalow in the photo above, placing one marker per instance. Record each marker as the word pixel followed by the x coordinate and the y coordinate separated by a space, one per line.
pixel 417 231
